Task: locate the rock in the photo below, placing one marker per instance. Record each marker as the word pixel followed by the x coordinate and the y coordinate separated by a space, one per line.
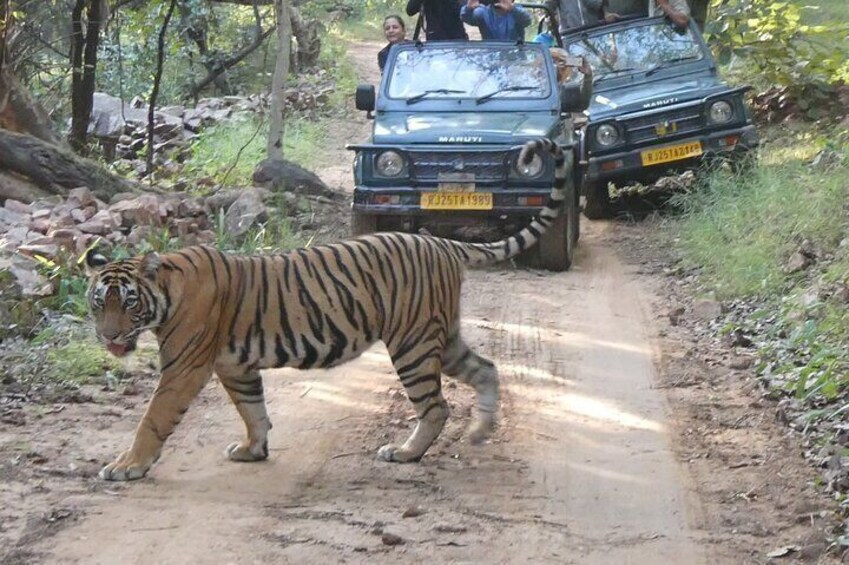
pixel 796 263
pixel 24 271
pixel 82 195
pixel 282 175
pixel 740 362
pixel 141 211
pixel 46 250
pixel 675 314
pixel 392 539
pixel 12 218
pixel 706 309
pixel 413 512
pixel 139 234
pixel 101 223
pixel 244 213
pixel 17 207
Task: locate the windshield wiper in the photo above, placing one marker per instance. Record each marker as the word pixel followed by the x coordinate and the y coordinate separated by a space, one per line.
pixel 613 73
pixel 664 64
pixel 426 93
pixel 492 94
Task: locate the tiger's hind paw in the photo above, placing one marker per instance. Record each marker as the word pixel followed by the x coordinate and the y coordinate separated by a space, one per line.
pixel 481 428
pixel 238 451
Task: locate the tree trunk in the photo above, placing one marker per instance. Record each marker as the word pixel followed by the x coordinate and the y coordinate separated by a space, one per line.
pixel 83 67
pixel 157 80
pixel 55 170
pixel 277 124
pixel 20 113
pixel 308 35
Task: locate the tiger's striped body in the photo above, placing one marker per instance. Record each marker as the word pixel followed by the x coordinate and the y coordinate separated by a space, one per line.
pixel 318 307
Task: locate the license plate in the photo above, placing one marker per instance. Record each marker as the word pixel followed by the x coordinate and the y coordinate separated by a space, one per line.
pixel 671 153
pixel 456 182
pixel 456 201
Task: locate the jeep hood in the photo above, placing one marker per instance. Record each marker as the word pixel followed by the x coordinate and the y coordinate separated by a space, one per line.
pixel 627 98
pixel 462 127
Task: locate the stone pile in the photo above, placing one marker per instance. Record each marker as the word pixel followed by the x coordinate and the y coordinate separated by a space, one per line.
pixel 121 128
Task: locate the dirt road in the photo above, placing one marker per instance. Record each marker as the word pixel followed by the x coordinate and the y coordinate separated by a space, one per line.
pixel 580 470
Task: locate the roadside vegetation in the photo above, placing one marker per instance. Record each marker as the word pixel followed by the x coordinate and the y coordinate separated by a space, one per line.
pixel 773 244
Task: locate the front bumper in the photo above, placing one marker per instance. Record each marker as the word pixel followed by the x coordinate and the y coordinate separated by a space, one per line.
pixel 628 164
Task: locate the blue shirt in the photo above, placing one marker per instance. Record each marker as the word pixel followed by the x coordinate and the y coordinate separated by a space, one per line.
pixel 497 25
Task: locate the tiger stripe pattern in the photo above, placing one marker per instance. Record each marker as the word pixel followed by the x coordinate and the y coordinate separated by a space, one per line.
pixel 319 307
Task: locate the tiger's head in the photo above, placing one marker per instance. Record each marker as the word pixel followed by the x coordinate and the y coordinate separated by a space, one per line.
pixel 124 298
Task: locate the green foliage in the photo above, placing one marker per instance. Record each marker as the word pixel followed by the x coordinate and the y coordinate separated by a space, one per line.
pixel 228 152
pixel 80 360
pixel 740 229
pixel 70 282
pixel 784 49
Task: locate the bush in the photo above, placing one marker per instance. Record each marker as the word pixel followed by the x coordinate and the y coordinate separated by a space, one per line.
pixel 772 36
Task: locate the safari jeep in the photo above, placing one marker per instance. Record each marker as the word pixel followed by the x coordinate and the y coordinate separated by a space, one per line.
pixel 657 104
pixel 449 121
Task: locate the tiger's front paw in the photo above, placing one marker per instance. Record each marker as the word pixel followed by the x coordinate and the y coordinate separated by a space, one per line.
pixel 127 467
pixel 396 454
pixel 240 451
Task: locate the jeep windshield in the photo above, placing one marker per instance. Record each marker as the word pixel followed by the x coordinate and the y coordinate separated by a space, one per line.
pixel 643 48
pixel 479 70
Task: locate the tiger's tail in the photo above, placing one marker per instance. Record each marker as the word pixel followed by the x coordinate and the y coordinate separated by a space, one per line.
pixel 475 254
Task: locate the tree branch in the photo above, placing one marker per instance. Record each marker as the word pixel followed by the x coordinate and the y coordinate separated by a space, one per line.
pixel 229 62
pixel 157 79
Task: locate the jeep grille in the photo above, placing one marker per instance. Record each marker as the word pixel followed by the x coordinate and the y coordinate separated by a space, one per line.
pixel 490 165
pixel 645 128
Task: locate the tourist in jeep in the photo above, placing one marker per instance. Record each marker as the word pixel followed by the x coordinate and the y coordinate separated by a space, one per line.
pixel 499 20
pixel 676 10
pixel 580 13
pixel 441 18
pixel 395 31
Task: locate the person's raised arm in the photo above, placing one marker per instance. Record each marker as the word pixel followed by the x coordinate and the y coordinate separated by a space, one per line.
pixel 523 18
pixel 679 15
pixel 469 13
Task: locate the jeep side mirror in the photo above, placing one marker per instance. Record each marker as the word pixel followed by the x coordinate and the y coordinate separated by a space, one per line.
pixel 365 97
pixel 575 94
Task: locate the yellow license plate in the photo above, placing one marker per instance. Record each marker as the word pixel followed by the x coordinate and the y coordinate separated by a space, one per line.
pixel 456 201
pixel 672 153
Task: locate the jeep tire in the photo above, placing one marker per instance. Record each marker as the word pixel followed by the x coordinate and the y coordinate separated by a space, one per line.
pixel 555 250
pixel 362 223
pixel 597 206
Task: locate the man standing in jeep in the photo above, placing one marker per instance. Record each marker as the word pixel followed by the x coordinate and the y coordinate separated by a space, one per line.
pixel 441 18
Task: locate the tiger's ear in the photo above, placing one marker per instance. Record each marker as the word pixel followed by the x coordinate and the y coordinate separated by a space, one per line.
pixel 95 260
pixel 150 265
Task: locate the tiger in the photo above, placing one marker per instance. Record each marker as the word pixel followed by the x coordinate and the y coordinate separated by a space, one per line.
pixel 233 315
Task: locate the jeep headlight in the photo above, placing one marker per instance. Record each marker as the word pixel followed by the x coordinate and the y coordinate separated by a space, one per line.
pixel 720 112
pixel 532 169
pixel 607 135
pixel 389 164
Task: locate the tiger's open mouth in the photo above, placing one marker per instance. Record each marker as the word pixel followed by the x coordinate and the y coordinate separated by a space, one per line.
pixel 120 349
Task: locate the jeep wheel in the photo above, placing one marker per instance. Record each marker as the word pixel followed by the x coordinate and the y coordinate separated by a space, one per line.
pixel 597 206
pixel 556 249
pixel 362 223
